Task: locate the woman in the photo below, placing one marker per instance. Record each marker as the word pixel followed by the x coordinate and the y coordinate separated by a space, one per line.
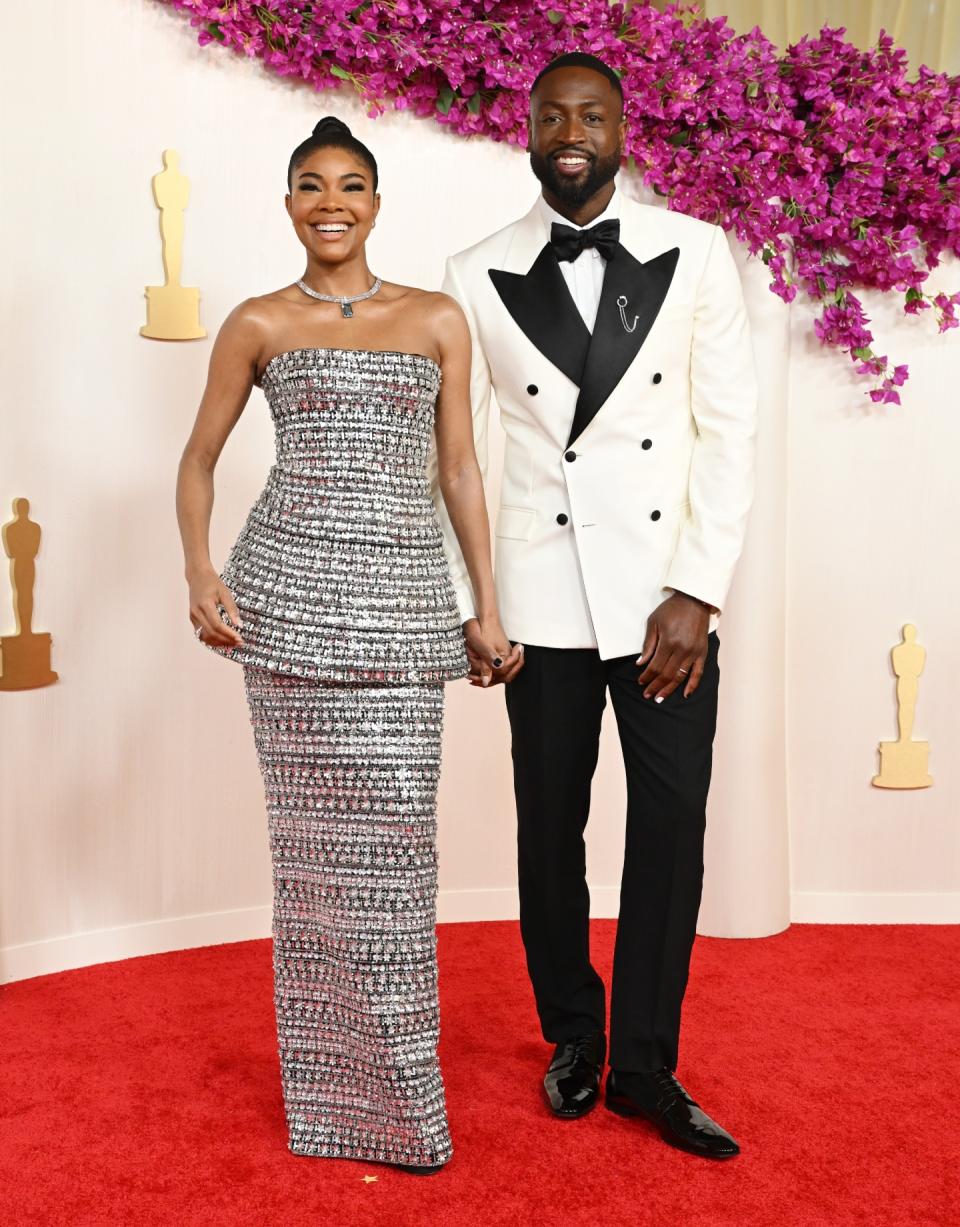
pixel 337 601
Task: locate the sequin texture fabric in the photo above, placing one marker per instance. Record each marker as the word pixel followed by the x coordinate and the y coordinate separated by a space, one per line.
pixel 350 774
pixel 350 629
pixel 339 572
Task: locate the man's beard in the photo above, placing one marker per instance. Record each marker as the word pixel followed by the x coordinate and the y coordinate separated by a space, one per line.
pixel 575 193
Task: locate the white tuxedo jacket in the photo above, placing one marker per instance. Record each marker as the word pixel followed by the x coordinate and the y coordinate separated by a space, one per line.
pixel 628 469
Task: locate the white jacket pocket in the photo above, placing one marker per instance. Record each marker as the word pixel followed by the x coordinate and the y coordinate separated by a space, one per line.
pixel 516 523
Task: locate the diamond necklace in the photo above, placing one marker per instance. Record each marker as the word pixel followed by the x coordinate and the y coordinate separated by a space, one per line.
pixel 345 308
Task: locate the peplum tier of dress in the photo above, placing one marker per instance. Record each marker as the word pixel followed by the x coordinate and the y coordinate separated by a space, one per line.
pixel 339 572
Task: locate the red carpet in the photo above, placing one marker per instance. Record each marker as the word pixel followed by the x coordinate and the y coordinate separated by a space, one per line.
pixel 147 1092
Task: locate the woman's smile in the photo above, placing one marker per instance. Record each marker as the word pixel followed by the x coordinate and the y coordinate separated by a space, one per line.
pixel 331 232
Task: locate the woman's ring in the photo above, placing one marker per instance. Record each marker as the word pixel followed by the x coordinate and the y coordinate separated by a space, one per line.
pixel 198 631
pixel 683 670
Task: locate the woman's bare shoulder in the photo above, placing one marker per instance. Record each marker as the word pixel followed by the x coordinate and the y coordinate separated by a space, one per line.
pixel 264 308
pixel 258 318
pixel 433 306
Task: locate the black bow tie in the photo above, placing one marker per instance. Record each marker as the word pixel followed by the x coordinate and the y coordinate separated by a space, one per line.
pixel 568 243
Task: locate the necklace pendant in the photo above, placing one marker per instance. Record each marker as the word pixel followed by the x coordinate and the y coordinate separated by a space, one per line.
pixel 346 309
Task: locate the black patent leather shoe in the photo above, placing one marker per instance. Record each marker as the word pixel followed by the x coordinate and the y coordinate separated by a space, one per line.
pixel 412 1169
pixel 659 1097
pixel 572 1081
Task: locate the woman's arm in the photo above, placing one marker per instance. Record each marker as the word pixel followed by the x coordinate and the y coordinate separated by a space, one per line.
pixel 233 366
pixel 461 485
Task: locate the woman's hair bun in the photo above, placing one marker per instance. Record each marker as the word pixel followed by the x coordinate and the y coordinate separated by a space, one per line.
pixel 331 126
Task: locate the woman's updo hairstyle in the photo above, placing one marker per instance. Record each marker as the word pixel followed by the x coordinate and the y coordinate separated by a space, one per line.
pixel 331 133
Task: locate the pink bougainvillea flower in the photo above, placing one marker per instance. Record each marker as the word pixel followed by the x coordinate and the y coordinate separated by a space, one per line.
pixel 827 160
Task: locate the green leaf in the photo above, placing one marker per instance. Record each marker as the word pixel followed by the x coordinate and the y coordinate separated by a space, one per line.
pixel 340 72
pixel 938 151
pixel 753 89
pixel 214 30
pixel 445 100
pixel 680 138
pixel 554 16
pixel 863 353
pixel 913 294
pixel 473 106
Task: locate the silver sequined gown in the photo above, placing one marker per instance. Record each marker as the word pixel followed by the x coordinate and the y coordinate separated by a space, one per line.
pixel 350 629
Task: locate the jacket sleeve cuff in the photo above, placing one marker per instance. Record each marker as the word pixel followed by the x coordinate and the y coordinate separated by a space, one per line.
pixel 710 592
pixel 465 602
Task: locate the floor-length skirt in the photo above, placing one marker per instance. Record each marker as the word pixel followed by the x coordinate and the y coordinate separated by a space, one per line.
pixel 350 774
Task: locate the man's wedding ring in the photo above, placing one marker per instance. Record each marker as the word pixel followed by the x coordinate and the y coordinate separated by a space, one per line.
pixel 683 670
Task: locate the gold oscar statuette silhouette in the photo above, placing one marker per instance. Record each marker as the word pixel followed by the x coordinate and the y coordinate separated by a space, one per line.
pixel 173 310
pixel 903 763
pixel 25 656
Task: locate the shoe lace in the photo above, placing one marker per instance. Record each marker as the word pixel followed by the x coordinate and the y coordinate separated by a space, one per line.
pixel 584 1048
pixel 670 1088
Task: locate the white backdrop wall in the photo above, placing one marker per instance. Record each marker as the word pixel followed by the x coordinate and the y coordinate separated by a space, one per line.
pixel 132 817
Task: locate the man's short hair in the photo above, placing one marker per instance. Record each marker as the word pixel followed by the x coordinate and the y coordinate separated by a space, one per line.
pixel 580 59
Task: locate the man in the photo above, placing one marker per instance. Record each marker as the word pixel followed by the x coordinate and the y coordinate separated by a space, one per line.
pixel 614 337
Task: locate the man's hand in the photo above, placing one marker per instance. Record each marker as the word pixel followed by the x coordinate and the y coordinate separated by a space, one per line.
pixel 486 645
pixel 675 647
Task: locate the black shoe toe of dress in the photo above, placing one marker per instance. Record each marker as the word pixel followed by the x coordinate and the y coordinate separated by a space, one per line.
pixel 660 1098
pixel 572 1081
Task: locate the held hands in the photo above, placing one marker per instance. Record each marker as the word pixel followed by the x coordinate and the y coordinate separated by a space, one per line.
pixel 486 645
pixel 675 647
pixel 207 595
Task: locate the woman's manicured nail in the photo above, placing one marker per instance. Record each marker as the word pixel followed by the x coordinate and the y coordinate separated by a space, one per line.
pixel 659 698
pixel 486 681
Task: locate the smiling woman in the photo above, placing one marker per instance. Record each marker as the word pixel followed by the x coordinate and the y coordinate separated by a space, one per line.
pixel 334 203
pixel 337 601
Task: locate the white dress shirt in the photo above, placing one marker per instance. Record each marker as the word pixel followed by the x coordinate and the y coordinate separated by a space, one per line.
pixel 584 275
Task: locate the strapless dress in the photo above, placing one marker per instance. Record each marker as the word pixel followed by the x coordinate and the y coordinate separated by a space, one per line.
pixel 339 572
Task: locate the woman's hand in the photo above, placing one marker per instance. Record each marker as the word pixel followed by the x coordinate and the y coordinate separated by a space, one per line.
pixel 486 646
pixel 207 593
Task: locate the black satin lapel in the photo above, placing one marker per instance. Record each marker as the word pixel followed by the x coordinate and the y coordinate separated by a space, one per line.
pixel 540 303
pixel 612 348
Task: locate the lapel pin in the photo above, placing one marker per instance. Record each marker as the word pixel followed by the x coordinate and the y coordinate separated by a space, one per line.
pixel 621 303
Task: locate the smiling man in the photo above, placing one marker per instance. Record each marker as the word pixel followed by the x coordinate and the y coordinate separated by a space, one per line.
pixel 614 337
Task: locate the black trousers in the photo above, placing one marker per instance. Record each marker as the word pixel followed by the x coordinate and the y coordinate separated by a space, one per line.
pixel 555 706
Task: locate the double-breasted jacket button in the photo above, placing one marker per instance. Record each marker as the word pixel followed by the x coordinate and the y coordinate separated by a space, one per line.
pixel 647 444
pixel 570 457
pixel 532 389
pixel 561 518
pixel 654 515
pixel 657 377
